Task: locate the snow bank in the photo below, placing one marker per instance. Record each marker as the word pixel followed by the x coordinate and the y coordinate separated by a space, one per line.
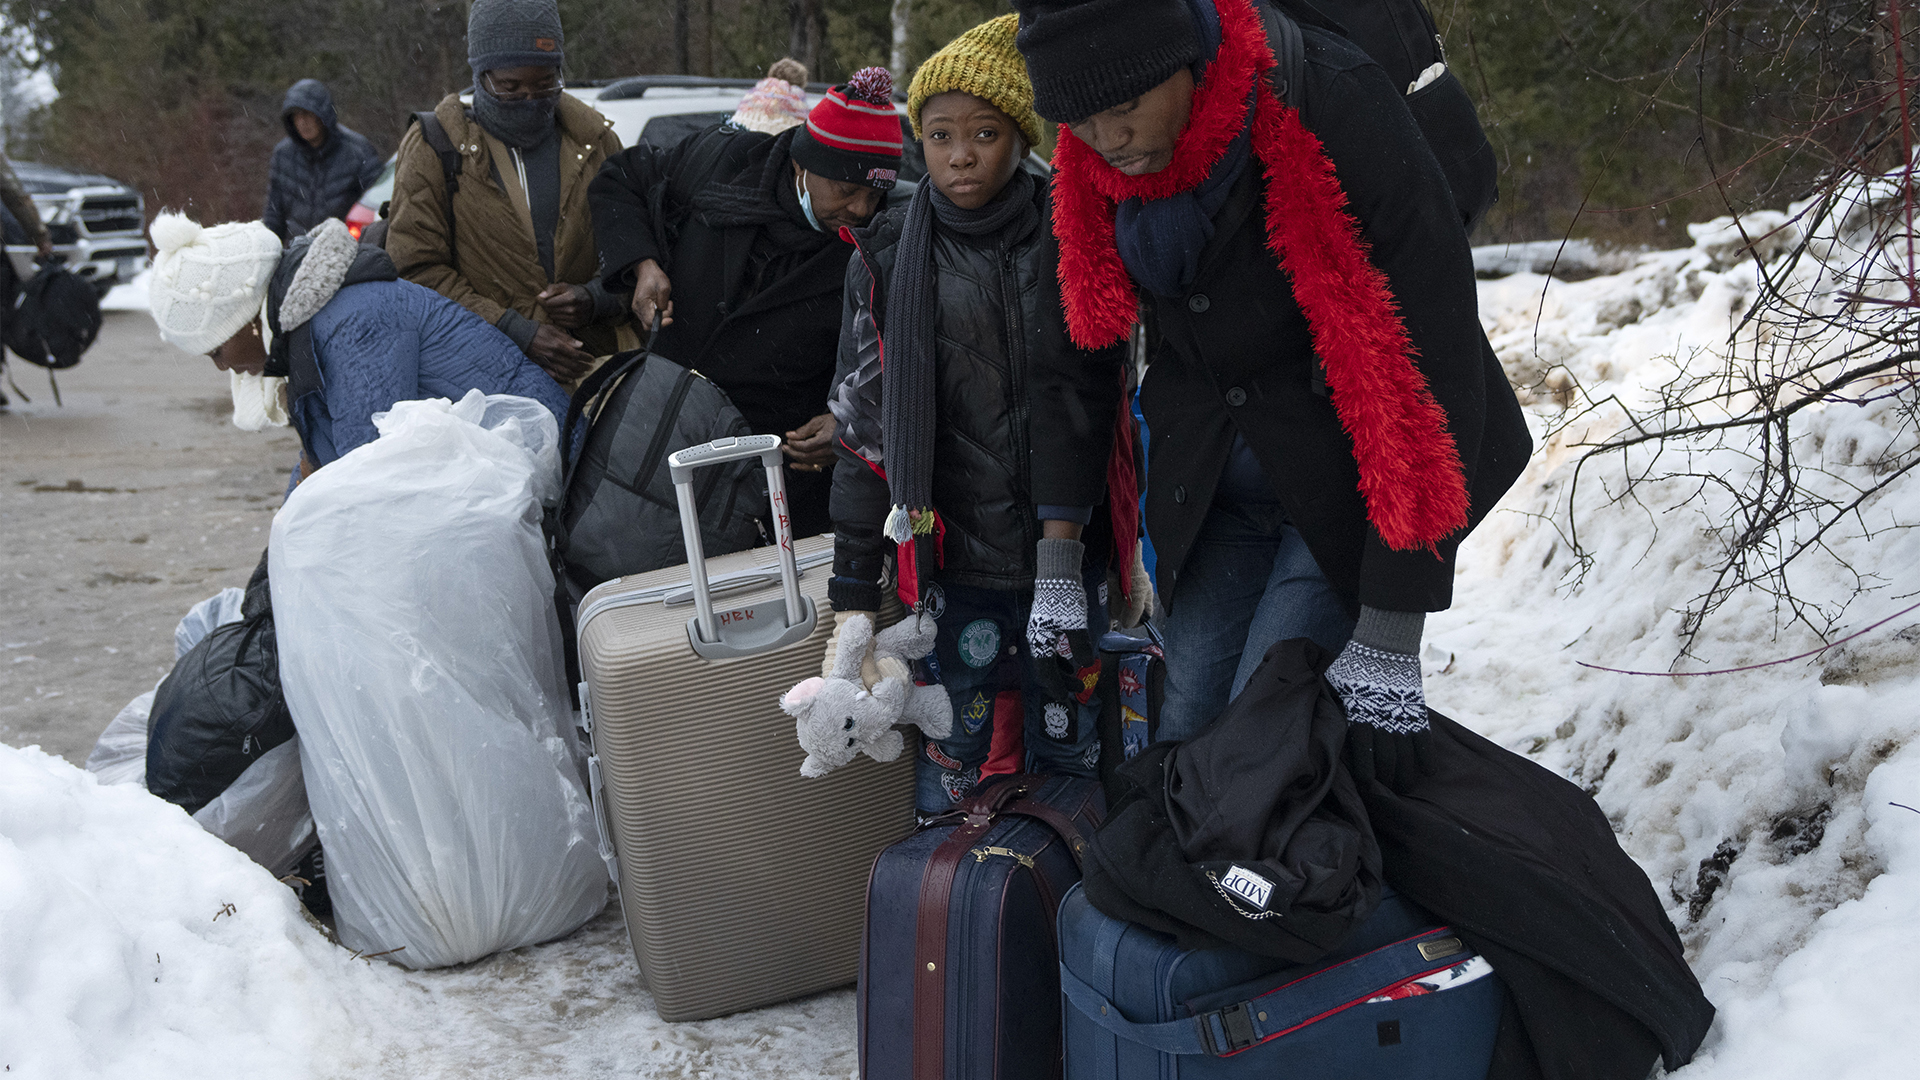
pixel 1758 802
pixel 137 944
pixel 129 295
pixel 133 943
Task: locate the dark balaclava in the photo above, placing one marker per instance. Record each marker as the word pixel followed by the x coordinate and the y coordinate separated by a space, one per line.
pixel 1086 56
pixel 510 34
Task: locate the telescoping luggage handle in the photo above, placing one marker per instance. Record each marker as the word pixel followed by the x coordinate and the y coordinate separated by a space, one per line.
pixel 757 628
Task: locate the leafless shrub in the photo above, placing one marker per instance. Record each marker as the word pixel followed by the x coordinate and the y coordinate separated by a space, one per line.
pixel 1835 321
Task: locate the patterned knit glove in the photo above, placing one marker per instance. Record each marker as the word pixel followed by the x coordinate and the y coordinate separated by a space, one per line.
pixel 1388 733
pixel 1059 599
pixel 1064 661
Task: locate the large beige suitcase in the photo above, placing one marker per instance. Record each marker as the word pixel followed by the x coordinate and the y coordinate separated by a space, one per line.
pixel 743 883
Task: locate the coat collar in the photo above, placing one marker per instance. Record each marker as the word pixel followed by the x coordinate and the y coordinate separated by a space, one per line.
pixel 1410 470
pixel 581 128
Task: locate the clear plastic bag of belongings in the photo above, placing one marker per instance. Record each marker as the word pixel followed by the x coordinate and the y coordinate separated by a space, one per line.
pixel 120 755
pixel 204 617
pixel 420 655
pixel 263 812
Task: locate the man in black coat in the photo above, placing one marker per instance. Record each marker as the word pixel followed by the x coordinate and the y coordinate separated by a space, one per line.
pixel 735 240
pixel 1327 419
pixel 321 168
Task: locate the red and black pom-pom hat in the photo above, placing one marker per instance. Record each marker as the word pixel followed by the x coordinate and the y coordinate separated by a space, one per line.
pixel 854 133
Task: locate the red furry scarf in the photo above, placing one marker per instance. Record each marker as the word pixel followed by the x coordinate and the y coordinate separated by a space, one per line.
pixel 1410 471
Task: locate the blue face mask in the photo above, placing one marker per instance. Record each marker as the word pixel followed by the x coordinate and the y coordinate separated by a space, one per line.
pixel 805 195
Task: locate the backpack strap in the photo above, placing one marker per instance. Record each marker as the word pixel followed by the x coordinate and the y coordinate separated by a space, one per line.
pixel 1289 54
pixel 435 134
pixel 590 388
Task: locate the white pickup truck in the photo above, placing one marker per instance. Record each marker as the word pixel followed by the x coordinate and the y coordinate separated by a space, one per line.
pixel 97 223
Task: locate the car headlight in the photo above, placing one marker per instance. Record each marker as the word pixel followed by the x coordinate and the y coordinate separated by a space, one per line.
pixel 57 209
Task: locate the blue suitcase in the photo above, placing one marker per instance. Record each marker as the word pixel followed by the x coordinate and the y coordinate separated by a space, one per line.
pixel 959 977
pixel 1402 999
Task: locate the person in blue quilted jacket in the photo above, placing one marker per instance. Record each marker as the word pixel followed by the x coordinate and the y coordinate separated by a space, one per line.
pixel 325 334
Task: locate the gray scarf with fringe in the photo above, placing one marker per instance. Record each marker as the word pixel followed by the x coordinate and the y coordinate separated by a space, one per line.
pixel 907 408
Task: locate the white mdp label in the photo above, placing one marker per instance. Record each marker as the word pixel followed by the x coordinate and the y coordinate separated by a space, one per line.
pixel 1249 886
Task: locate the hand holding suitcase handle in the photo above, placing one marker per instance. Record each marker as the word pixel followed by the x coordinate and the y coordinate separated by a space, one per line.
pixel 704 629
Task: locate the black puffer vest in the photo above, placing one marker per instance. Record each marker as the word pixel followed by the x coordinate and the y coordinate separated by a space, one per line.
pixel 992 320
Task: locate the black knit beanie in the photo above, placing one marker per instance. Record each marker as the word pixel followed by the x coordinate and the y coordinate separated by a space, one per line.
pixel 1086 56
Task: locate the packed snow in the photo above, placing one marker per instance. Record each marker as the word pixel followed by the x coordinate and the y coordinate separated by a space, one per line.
pixel 1776 809
pixel 128 295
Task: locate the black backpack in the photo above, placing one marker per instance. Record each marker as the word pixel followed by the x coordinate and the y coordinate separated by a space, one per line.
pixel 1401 37
pixel 54 319
pixel 221 707
pixel 619 514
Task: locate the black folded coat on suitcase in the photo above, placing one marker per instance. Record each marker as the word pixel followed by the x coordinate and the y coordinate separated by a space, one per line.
pixel 1518 860
pixel 959 969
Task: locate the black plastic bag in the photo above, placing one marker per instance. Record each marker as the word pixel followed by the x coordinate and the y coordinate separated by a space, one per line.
pixel 221 708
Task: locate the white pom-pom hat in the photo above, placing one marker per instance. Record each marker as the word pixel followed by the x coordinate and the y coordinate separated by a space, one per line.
pixel 210 282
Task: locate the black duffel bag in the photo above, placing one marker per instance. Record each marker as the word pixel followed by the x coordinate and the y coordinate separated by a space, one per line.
pixel 221 707
pixel 54 319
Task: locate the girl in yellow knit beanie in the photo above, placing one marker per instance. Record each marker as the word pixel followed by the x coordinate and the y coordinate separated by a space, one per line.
pixel 991 519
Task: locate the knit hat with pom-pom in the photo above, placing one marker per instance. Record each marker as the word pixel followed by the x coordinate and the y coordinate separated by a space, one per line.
pixel 208 283
pixel 777 102
pixel 854 133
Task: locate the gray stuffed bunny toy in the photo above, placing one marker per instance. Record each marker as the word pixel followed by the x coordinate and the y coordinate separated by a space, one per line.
pixel 870 689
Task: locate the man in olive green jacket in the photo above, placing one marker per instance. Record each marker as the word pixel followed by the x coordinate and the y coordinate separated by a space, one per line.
pixel 517 248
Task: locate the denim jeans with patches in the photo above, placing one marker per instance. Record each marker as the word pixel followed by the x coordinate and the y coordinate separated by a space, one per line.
pixel 1248 582
pixel 980 650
